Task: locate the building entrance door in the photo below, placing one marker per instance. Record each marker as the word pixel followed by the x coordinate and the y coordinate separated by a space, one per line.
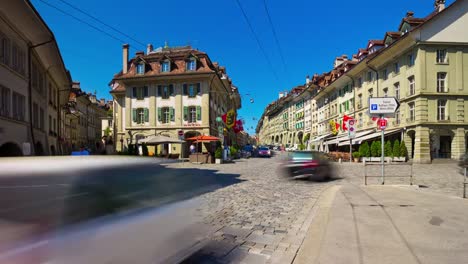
pixel 445 147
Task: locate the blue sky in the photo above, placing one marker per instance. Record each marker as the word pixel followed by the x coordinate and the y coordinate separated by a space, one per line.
pixel 311 35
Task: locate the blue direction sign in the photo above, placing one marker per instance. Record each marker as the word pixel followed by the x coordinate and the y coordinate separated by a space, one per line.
pixel 383 106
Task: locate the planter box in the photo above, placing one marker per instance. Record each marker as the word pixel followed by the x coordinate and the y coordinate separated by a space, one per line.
pixel 366 159
pixel 356 159
pixel 399 159
pixel 219 161
pixel 375 159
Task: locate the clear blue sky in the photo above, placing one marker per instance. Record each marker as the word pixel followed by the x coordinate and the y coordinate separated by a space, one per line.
pixel 311 35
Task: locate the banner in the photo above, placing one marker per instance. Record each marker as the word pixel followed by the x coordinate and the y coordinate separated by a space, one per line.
pixel 229 118
pixel 238 127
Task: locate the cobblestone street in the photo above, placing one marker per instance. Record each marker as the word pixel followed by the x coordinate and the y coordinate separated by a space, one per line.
pixel 265 217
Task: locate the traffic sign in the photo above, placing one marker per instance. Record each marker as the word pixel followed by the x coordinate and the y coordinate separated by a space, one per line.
pixel 382 123
pixel 180 132
pixel 351 128
pixel 383 106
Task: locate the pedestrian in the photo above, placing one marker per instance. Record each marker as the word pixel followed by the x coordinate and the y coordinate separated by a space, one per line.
pixel 192 148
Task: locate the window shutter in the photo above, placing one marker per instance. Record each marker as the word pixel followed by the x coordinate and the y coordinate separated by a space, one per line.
pixel 146 115
pixel 198 89
pixel 347 105
pixel 134 90
pixel 340 109
pixel 198 112
pixel 186 113
pixel 172 114
pixel 134 115
pixel 159 90
pixel 159 114
pixel 145 91
pixel 185 89
pixel 171 89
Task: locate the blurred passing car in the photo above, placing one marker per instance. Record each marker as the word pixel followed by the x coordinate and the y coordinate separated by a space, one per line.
pixel 307 164
pixel 264 152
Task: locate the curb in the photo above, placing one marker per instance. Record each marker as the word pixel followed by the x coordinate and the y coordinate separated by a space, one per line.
pixel 311 246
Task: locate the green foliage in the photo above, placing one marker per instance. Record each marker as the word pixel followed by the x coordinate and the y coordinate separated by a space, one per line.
pixel 356 154
pixel 144 148
pixel 107 131
pixel 379 148
pixel 109 113
pixel 396 148
pixel 403 150
pixel 307 137
pixel 374 149
pixel 233 151
pixel 302 147
pixel 364 150
pixel 218 153
pixel 388 149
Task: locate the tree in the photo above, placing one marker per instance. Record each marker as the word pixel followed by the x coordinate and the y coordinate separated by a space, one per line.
pixel 396 148
pixel 388 149
pixel 379 148
pixel 218 153
pixel 403 150
pixel 107 131
pixel 307 137
pixel 364 150
pixel 374 149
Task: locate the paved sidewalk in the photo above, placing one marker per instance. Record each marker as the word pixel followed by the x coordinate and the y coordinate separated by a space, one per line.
pixel 386 224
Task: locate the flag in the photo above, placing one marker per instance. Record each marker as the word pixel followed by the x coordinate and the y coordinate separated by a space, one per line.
pixel 238 127
pixel 229 118
pixel 345 119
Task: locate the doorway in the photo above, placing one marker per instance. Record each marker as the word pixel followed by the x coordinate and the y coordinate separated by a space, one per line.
pixel 445 150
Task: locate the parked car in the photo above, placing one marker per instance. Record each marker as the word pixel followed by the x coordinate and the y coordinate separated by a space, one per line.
pixel 264 152
pixel 307 164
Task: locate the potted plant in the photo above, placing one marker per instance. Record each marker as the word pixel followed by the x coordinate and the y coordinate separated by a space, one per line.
pixel 219 155
pixel 356 156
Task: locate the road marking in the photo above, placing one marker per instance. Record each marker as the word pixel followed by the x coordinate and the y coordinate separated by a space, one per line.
pixel 33 186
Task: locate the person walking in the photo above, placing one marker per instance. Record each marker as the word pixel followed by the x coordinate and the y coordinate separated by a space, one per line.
pixel 192 148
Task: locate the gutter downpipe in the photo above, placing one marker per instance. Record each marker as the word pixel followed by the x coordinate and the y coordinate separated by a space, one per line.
pixel 31 127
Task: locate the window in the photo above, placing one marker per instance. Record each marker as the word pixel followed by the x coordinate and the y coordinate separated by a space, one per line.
pixel 192 114
pixel 411 59
pixel 369 76
pixel 165 91
pixel 441 82
pixel 441 56
pixel 359 101
pixel 35 115
pixel 140 115
pixel 411 112
pixel 4 101
pixel 41 119
pixel 50 124
pixel 140 92
pixel 18 106
pixel 385 92
pixel 191 65
pixel 140 68
pixel 397 90
pixel 5 51
pixel 192 90
pixel 359 82
pixel 385 74
pixel 165 116
pixel 359 123
pixel 442 110
pixel 411 85
pixel 14 57
pixel 371 92
pixel 396 67
pixel 397 117
pixel 166 66
pixel 55 125
pixel 50 94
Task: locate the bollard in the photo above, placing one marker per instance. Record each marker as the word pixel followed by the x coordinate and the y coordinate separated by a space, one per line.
pixel 339 160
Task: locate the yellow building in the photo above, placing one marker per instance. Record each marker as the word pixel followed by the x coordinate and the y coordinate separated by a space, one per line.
pixel 168 91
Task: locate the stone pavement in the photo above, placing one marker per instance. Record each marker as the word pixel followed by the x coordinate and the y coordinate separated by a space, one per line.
pixel 263 219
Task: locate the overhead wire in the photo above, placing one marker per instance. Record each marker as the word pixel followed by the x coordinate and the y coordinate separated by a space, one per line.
pixel 102 22
pixel 83 21
pixel 257 40
pixel 275 35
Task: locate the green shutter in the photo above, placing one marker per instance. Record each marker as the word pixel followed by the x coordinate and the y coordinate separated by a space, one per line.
pixel 159 114
pixel 146 115
pixel 198 112
pixel 134 115
pixel 340 109
pixel 172 114
pixel 186 113
pixel 347 105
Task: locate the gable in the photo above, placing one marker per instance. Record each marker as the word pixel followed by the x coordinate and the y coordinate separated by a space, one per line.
pixel 448 26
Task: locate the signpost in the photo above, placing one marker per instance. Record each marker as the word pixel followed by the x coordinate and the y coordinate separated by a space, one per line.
pixel 351 135
pixel 383 107
pixel 181 134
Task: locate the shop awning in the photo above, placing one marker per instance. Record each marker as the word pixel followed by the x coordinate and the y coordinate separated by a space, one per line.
pixel 320 137
pixel 345 142
pixel 375 135
pixel 337 139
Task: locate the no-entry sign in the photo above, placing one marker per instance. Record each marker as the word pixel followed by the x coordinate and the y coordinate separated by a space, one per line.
pixel 382 123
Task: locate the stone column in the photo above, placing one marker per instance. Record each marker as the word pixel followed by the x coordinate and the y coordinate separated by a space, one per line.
pixel 422 148
pixel 458 143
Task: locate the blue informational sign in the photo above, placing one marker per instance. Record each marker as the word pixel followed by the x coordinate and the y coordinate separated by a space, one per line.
pixel 374 107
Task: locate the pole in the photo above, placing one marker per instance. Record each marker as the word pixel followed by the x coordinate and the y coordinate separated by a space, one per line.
pixel 382 156
pixel 350 150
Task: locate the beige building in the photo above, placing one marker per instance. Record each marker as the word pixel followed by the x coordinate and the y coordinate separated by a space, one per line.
pixel 168 91
pixel 34 83
pixel 424 64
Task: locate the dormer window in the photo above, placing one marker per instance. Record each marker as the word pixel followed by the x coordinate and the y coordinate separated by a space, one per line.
pixel 191 64
pixel 140 68
pixel 166 66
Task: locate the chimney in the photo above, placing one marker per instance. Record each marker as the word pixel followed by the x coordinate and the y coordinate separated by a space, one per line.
pixel 307 79
pixel 125 58
pixel 139 53
pixel 345 57
pixel 102 101
pixel 439 5
pixel 149 48
pixel 409 14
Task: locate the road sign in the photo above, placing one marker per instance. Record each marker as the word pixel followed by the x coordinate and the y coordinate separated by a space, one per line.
pixel 351 128
pixel 385 106
pixel 180 132
pixel 382 123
